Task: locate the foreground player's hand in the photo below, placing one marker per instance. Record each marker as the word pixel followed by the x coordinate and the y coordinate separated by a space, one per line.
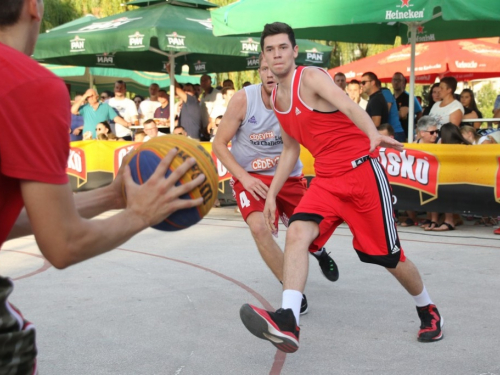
pixel 270 215
pixel 159 197
pixel 255 186
pixel 378 140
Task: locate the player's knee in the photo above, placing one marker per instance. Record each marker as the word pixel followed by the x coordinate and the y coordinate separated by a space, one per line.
pixel 259 229
pixel 302 232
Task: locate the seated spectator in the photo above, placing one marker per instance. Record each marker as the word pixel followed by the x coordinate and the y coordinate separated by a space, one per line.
pixel 394 120
pixel 103 128
pixel 488 136
pixel 93 112
pixel 151 130
pixel 139 136
pixel 163 111
pixel 470 134
pixel 386 129
pixel 427 132
pixel 354 90
pixel 213 128
pixel 448 109
pixel 245 84
pixel 179 130
pixel 470 107
pixel 432 98
pixel 450 134
pixel 76 124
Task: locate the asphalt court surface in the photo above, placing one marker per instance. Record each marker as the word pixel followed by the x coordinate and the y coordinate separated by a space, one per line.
pixel 168 303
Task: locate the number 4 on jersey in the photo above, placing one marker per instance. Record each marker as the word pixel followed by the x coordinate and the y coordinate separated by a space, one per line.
pixel 244 201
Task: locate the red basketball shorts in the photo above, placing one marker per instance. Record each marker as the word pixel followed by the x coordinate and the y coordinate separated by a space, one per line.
pixel 287 200
pixel 363 199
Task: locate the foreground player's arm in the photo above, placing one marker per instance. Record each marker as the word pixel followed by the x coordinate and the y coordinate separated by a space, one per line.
pixel 66 238
pixel 317 84
pixel 287 161
pixel 230 122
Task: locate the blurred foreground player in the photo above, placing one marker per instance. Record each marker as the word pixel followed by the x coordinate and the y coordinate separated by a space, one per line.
pixel 33 175
pixel 350 185
pixel 254 132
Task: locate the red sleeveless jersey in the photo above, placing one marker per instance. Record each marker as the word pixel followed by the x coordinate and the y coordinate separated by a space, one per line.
pixel 331 137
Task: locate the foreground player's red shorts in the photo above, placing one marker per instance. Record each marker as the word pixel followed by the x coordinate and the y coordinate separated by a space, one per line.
pixel 363 199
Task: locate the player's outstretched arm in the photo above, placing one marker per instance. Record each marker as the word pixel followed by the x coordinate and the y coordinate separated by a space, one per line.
pixel 229 125
pixel 66 238
pixel 287 161
pixel 316 83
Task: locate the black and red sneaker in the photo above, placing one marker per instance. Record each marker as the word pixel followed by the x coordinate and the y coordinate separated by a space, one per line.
pixel 280 327
pixel 431 324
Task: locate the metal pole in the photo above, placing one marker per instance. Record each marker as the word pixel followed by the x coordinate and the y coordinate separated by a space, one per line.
pixel 411 111
pixel 171 60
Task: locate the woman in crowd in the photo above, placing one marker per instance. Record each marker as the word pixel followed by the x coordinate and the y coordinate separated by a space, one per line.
pixel 448 109
pixel 103 128
pixel 470 107
pixel 432 98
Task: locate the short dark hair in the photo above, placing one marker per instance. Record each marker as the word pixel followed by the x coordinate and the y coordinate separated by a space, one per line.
pixel 370 75
pixel 339 74
pixel 11 12
pixel 387 127
pixel 402 75
pixel 121 82
pixel 276 28
pixel 149 121
pixel 451 82
pixel 354 82
pixel 189 85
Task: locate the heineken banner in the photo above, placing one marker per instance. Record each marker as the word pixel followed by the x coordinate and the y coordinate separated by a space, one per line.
pixel 443 178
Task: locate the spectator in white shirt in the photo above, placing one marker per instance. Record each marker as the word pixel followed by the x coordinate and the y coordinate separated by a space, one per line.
pixel 126 109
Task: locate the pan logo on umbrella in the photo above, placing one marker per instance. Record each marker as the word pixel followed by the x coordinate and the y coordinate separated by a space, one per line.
pixel 314 56
pixel 249 46
pixel 77 44
pixel 136 40
pixel 106 59
pixel 200 66
pixel 253 61
pixel 404 15
pixel 176 41
pixel 109 25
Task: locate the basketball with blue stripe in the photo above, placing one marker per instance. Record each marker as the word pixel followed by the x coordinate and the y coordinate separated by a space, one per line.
pixel 144 160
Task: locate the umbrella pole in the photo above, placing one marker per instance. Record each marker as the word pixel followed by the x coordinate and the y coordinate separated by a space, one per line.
pixel 411 110
pixel 171 60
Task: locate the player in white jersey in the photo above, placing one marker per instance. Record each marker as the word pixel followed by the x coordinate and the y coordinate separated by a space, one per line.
pixel 256 145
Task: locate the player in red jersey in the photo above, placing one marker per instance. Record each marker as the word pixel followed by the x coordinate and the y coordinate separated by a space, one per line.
pixel 33 175
pixel 350 185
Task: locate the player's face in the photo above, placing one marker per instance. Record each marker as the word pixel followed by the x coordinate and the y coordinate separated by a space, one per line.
pixel 279 54
pixel 267 77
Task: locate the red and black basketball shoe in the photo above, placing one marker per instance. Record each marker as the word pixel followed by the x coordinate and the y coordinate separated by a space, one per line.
pixel 431 324
pixel 280 327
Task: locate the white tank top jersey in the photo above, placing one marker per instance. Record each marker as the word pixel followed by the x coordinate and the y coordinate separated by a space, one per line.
pixel 257 144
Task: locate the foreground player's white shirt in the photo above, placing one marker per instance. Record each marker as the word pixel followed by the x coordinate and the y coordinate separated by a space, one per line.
pixel 257 144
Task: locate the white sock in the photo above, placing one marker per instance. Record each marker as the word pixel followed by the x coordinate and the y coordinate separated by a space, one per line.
pixel 319 251
pixel 423 298
pixel 292 299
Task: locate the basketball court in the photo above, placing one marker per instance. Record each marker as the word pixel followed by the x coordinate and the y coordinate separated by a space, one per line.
pixel 168 303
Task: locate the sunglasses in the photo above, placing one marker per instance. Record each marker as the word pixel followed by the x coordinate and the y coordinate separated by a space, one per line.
pixel 364 82
pixel 432 132
pixel 104 97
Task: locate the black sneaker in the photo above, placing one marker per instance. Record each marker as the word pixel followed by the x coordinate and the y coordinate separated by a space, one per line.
pixel 328 265
pixel 304 307
pixel 280 327
pixel 431 324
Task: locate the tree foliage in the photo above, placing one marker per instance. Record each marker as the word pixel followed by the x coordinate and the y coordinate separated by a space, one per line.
pixel 485 99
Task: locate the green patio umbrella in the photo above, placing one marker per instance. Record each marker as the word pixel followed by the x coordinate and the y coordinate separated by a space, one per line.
pixel 150 37
pixel 194 3
pixel 364 21
pixel 81 78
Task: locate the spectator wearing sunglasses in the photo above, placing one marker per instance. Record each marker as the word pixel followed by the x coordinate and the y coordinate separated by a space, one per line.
pixel 377 105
